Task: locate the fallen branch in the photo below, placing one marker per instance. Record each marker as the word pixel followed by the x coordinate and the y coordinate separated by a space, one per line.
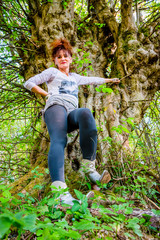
pixel 137 212
pixel 154 204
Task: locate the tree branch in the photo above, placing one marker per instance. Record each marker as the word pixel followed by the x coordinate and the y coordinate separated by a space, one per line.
pixel 139 213
pixel 22 8
pixel 34 6
pixel 127 22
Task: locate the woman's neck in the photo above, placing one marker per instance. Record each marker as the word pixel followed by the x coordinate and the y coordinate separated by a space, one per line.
pixel 65 71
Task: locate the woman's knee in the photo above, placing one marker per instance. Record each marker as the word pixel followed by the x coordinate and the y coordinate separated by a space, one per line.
pixel 86 114
pixel 57 143
pixel 58 136
pixel 88 120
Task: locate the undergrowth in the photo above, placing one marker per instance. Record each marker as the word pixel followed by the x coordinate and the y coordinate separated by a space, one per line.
pixel 109 215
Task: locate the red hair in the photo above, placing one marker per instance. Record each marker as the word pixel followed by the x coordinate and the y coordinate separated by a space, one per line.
pixel 61 44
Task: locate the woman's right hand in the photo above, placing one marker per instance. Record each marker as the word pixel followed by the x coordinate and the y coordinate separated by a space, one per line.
pixel 47 97
pixel 115 80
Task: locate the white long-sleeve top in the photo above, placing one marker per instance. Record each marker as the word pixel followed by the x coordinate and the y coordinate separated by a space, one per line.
pixel 60 85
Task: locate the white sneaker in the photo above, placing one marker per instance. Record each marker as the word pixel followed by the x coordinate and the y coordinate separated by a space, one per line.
pixel 89 169
pixel 65 197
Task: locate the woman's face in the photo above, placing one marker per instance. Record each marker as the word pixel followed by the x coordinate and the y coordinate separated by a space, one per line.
pixel 63 59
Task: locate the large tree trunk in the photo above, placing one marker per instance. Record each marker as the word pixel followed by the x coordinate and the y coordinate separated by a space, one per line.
pixel 135 61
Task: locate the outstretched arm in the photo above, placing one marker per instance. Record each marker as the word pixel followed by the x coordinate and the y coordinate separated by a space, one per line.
pixel 83 80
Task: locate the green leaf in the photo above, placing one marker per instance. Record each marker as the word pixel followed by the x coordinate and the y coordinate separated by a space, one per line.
pixel 107 90
pixel 57 214
pixel 43 209
pixel 5 224
pixel 120 199
pixel 62 223
pixel 89 186
pixel 79 195
pixel 125 129
pixel 84 225
pixel 142 179
pixel 52 202
pixel 6 194
pixel 138 232
pixel 46 234
pixel 21 195
pixel 29 222
pixel 84 204
pixel 39 232
pixel 19 215
pixel 107 211
pixel 72 234
pixel 4 200
pixel 157 212
pixel 133 224
pixel 130 121
pixel 2 187
pixel 38 186
pixel 76 207
pixel 128 210
pixel 106 228
pixel 97 89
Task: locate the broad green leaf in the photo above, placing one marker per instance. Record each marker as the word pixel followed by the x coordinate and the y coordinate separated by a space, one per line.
pixel 142 179
pixel 57 214
pixel 97 89
pixel 21 195
pixel 6 194
pixel 157 212
pixel 62 223
pixel 128 210
pixel 43 209
pixel 120 199
pixel 79 195
pixel 29 222
pixel 107 90
pixel 52 202
pixel 5 224
pixel 125 129
pixel 138 232
pixel 133 221
pixel 84 205
pixel 106 228
pixel 72 234
pixel 84 225
pixel 4 200
pixel 107 211
pixel 76 207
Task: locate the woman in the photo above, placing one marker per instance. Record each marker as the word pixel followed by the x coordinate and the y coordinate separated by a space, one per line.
pixel 62 115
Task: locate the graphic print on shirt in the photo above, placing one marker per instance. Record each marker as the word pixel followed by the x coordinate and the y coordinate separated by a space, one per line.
pixel 68 87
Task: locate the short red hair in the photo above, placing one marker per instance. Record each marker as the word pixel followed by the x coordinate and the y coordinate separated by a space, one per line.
pixel 61 44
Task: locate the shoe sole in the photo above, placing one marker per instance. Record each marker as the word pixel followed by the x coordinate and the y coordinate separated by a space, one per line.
pixel 105 177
